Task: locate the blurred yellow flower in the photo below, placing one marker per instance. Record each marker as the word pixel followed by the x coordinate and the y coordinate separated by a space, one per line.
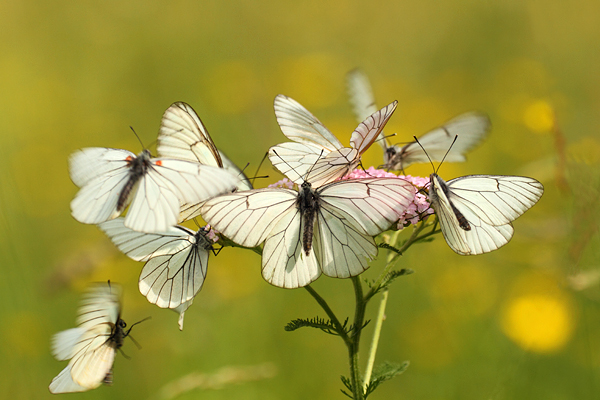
pixel 540 323
pixel 539 116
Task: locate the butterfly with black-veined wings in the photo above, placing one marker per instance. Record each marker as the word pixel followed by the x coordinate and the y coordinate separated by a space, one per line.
pixel 475 212
pixel 176 261
pixel 315 148
pixel 90 347
pixel 183 136
pixel 328 229
pixel 110 179
pixel 471 128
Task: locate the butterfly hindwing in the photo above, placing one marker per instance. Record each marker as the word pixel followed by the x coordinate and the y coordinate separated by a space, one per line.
pixel 91 347
pixel 176 261
pixel 485 205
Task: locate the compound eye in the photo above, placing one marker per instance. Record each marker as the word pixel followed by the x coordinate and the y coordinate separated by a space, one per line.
pixel 122 324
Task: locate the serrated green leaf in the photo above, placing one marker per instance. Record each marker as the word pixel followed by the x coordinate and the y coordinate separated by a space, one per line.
pixel 384 372
pixel 389 247
pixel 325 325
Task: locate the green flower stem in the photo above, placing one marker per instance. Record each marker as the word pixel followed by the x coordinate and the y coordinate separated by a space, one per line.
pixel 375 340
pixel 391 260
pixel 378 322
pixel 330 313
pixel 352 338
pixel 353 349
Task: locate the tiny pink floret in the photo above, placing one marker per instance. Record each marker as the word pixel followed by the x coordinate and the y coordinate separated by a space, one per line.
pixel 284 183
pixel 211 233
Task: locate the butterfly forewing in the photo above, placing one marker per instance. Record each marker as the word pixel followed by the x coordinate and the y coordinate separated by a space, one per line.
pixel 299 125
pixel 248 217
pixel 469 129
pixel 362 100
pixel 374 203
pixel 156 187
pixel 368 130
pixel 294 160
pixel 91 347
pixel 89 163
pixel 183 136
pixel 313 230
pixel 475 212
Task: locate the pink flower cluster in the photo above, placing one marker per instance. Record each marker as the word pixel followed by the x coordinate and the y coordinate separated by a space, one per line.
pixel 211 233
pixel 284 183
pixel 419 209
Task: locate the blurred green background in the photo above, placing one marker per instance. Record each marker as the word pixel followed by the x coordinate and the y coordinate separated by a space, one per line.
pixel 520 323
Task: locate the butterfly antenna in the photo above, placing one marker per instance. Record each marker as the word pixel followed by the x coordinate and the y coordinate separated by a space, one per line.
pixel 384 138
pixel 293 169
pixel 258 168
pixel 425 151
pixel 449 148
pixel 139 322
pixel 138 138
pixel 312 166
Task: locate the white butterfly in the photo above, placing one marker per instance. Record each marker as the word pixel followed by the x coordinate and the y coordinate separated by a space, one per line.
pixel 471 128
pixel 476 211
pixel 112 178
pixel 176 261
pixel 183 136
pixel 329 229
pixel 91 347
pixel 317 150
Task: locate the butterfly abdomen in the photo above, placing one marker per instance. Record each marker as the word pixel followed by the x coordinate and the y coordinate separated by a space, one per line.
pixel 138 166
pixel 308 205
pixel 462 221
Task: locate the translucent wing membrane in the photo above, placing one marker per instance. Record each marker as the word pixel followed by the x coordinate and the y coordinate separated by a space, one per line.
pixel 248 217
pixel 183 136
pixel 360 94
pixel 299 125
pixel 284 263
pixel 485 205
pixel 469 129
pixel 176 260
pixel 91 347
pixel 334 237
pixel 362 100
pixel 155 187
pixel 315 148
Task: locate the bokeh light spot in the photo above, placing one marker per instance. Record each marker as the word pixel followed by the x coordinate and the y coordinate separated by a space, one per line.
pixel 539 116
pixel 539 316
